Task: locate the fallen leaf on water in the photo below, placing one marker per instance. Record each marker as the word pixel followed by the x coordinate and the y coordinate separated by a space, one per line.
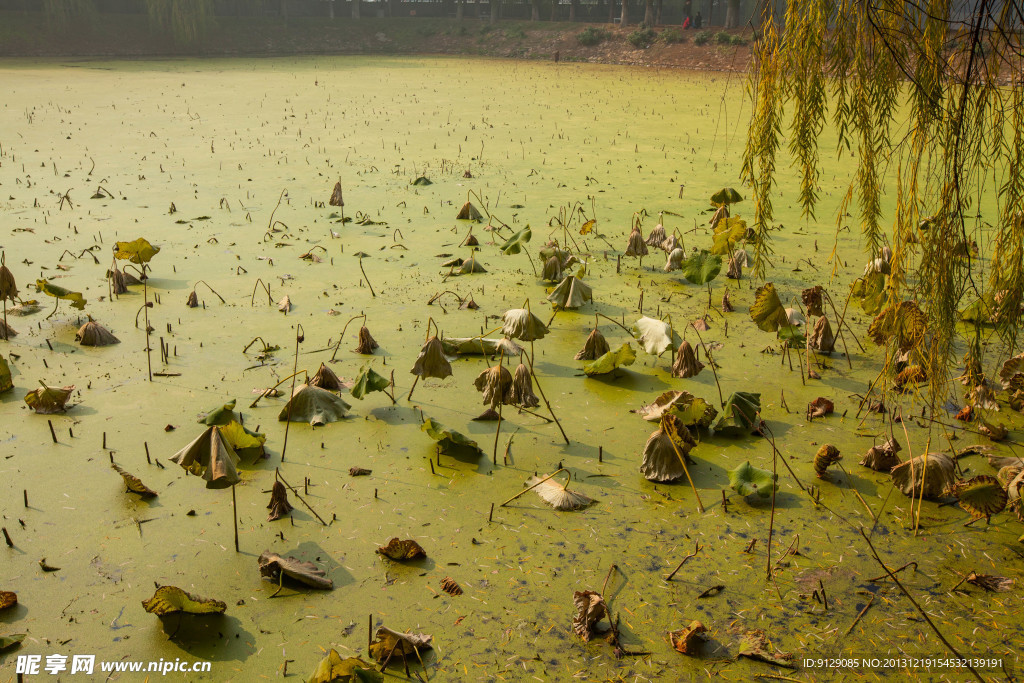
pixel 333 668
pixel 755 645
pixel 274 567
pixel 170 599
pixel 400 550
pixel 8 599
pixel 590 609
pixel 688 640
pixel 49 400
pixel 10 640
pixel 133 483
pixel 390 643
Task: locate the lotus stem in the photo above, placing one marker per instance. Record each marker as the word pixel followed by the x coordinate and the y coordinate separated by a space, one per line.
pixel 711 362
pixel 629 331
pixel 682 461
pixel 372 293
pixel 270 223
pixel 361 315
pixel 234 511
pixel 277 473
pixel 536 484
pixel 203 282
pixel 547 403
pixel 266 288
pixel 267 391
pixel 299 335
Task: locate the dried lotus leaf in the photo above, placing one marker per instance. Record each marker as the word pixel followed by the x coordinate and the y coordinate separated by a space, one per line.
pixel 981 496
pixel 133 483
pixel 170 599
pixel 401 550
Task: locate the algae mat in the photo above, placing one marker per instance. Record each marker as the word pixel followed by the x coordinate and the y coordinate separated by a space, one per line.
pixel 229 166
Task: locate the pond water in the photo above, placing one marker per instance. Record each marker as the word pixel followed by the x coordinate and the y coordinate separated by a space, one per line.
pixel 248 152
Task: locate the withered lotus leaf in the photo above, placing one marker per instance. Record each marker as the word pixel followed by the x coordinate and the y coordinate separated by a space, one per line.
pixel 398 549
pixel 170 599
pixel 595 347
pixel 6 331
pixel 767 311
pixel 133 483
pixel 557 496
pixel 552 270
pixel 325 378
pixel 571 293
pixel 449 586
pixel 468 212
pixel 334 669
pixel 431 361
pixel 826 455
pixel 313 405
pixel 654 335
pixel 688 640
pixel 6 380
pixel 94 334
pixel 273 567
pixel 928 475
pixel 480 346
pixel 8 599
pixel 662 458
pixel 636 245
pixel 691 410
pixel 494 383
pixel 211 457
pixel 821 338
pixel 686 364
pixel 278 505
pixel 981 496
pixel 992 584
pixel 397 644
pixel 755 645
pixel 521 391
pixel 336 195
pixel 590 609
pixel 882 458
pixel 49 400
pixel 520 323
pixel 656 237
pixel 367 344
pixel 813 300
pixel 819 407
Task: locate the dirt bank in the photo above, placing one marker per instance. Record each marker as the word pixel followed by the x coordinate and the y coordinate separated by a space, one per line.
pixel 27 35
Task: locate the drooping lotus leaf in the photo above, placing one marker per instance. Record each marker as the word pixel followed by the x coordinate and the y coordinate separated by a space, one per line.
pixel 727 233
pixel 422 181
pixel 8 599
pixel 636 245
pixel 221 415
pixel 517 242
pixel 882 458
pixel 590 609
pixel 702 267
pixel 8 287
pixel 870 291
pixel 520 323
pixel 468 212
pixel 6 331
pixel 928 475
pixel 133 483
pixel 400 550
pixel 903 323
pixel 595 347
pixel 431 361
pixel 447 437
pixel 76 298
pixel 274 567
pixel 278 505
pixel 368 381
pixel 571 293
pixel 656 237
pixel 588 227
pixel 655 336
pixel 670 244
pixel 813 298
pixel 367 344
pixel 334 669
pixel 726 195
pixel 755 645
pixel 471 265
pixel 337 198
pixel 6 381
pixel 313 405
pixel 981 396
pixel 9 640
pixel 94 334
pixel 747 480
pixel 49 400
pixel 674 260
pixel 521 391
pixel 688 640
pixel 240 438
pixel 666 449
pixel 767 311
pixel 820 407
pixel 494 383
pixel 211 457
pixel 689 409
pixel 171 599
pixel 557 496
pixel 981 496
pixel 480 346
pixel 741 413
pixel 686 364
pixel 137 251
pixel 821 338
pixel 396 644
pixel 624 355
pixel 552 270
pixel 826 455
pixel 325 378
pixel 1011 373
pixel 720 213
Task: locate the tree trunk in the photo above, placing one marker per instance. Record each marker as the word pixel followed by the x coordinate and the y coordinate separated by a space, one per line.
pixel 355 9
pixel 611 11
pixel 732 14
pixel 573 4
pixel 460 11
pixel 534 10
pixel 624 17
pixel 495 10
pixel 649 14
pixel 657 16
pixel 554 10
pixel 330 8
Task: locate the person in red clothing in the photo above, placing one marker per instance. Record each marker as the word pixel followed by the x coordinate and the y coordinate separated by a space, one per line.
pixel 686 23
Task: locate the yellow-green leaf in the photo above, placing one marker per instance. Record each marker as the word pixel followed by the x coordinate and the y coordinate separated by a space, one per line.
pixel 767 310
pixel 137 251
pixel 240 438
pixel 76 298
pixel 170 599
pixel 333 668
pixel 624 355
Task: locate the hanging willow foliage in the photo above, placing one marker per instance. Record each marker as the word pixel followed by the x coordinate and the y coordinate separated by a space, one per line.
pixel 186 20
pixel 929 94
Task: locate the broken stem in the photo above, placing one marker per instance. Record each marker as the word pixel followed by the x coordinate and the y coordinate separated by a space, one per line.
pixel 538 483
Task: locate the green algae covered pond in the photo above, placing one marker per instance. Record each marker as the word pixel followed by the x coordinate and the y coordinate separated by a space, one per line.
pixel 228 166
